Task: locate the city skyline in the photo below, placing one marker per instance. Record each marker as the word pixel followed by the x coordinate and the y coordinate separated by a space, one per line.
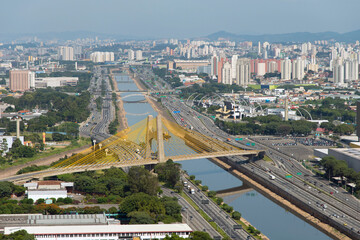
pixel 160 18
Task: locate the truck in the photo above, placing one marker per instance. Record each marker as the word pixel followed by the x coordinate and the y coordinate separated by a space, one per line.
pixel 192 191
pixel 272 177
pixel 185 184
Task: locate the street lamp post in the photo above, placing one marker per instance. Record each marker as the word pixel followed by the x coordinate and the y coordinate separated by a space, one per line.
pixel 94 141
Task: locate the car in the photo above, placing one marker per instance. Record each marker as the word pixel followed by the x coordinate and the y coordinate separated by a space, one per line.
pixel 345 224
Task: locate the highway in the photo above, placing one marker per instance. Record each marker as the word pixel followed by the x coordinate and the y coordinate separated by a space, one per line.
pixel 191 216
pixel 97 124
pixel 221 218
pixel 344 212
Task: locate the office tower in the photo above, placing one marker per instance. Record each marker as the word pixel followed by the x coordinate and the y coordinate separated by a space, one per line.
pixel 234 59
pixel 243 72
pixel 298 67
pixel 66 53
pixel 338 72
pixel 272 66
pixel 259 48
pixel 131 54
pixel 226 73
pixel 286 69
pixel 19 80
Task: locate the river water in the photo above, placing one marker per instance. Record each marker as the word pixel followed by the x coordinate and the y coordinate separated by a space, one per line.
pixel 271 219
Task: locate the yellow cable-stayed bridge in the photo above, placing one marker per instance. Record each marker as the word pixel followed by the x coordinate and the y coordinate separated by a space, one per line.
pixel 150 141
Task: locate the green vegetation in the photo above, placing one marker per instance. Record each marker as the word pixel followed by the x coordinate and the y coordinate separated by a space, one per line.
pixel 173 80
pixel 147 209
pixel 196 235
pixel 331 109
pixel 7 162
pixel 210 88
pixel 268 125
pixel 169 173
pixel 339 168
pixel 18 235
pixel 99 103
pixel 60 106
pixel 114 124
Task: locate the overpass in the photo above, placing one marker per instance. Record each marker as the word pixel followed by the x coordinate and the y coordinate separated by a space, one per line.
pixel 151 141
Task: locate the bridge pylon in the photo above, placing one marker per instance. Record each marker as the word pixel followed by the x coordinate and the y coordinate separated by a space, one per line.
pixel 149 137
pixel 160 140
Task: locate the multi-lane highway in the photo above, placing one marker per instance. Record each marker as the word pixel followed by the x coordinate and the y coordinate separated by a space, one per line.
pixel 191 216
pixel 341 207
pixel 221 218
pixel 97 124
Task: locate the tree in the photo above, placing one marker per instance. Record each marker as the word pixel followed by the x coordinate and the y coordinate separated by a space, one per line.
pixel 192 177
pixel 236 215
pixel 140 218
pixel 85 184
pixel 200 236
pixel 5 189
pixel 168 172
pixel 141 180
pixel 18 235
pixel 211 194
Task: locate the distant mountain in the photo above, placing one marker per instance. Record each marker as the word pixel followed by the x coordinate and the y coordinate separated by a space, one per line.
pixel 288 37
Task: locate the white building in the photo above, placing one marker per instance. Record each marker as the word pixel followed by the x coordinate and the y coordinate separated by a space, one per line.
pixel 104 232
pixel 47 189
pixel 298 67
pixel 102 57
pixel 55 82
pixel 66 53
pixel 261 67
pixel 6 142
pixel 338 72
pixel 286 69
pixel 226 73
pixel 243 72
pixel 138 55
pixel 234 59
pixel 131 55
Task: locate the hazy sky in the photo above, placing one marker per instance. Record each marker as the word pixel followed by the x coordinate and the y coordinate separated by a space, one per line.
pixel 181 18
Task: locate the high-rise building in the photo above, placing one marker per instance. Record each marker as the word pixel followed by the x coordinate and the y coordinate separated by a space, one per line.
pixel 259 48
pixel 226 73
pixel 351 68
pixel 102 57
pixel 66 53
pixel 138 55
pixel 261 69
pixel 20 80
pixel 298 66
pixel 214 65
pixel 286 69
pixel 131 54
pixel 338 72
pixel 219 69
pixel 234 59
pixel 243 71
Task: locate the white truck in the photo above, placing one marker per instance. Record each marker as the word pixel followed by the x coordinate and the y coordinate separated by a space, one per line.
pixel 272 177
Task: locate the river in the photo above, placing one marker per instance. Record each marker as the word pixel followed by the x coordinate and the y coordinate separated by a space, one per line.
pixel 271 219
